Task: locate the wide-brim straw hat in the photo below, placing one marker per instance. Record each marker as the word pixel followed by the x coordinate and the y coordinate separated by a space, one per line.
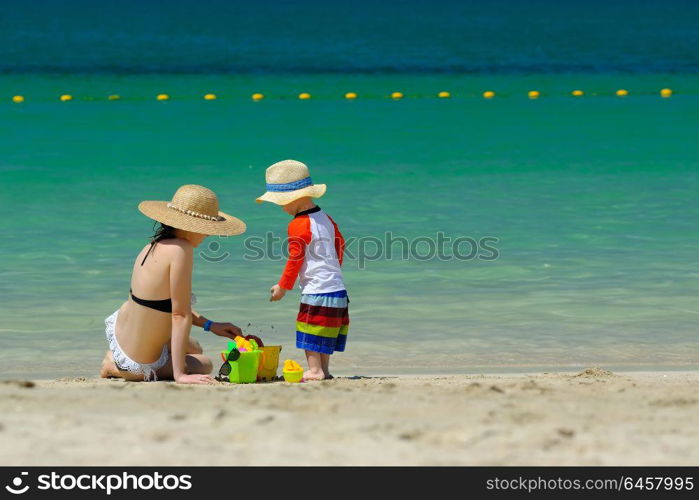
pixel 289 180
pixel 195 209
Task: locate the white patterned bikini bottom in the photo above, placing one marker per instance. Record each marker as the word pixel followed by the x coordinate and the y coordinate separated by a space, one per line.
pixel 125 363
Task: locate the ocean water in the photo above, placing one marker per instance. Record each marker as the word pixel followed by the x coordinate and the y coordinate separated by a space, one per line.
pixel 591 201
pixel 362 36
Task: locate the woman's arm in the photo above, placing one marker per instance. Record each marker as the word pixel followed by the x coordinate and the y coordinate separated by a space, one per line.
pixel 181 293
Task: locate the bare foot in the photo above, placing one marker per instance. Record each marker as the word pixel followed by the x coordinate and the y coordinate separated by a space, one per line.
pixel 313 375
pixel 109 369
pixel 328 376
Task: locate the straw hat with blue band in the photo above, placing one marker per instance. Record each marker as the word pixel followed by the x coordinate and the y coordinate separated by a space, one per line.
pixel 289 180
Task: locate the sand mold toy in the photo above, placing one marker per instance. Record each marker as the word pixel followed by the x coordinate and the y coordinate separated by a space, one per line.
pixel 292 372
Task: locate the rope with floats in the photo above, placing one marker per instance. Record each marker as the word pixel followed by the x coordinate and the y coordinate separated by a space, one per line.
pixel 351 96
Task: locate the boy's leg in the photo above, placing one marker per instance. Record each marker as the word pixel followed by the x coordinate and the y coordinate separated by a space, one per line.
pixel 325 363
pixel 315 366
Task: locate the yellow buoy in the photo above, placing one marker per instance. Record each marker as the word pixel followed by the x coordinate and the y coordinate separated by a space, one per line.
pixel 444 94
pixel 163 97
pixel 666 92
pixel 577 93
pixel 114 97
pixel 488 94
pixel 350 95
pixel 397 95
pixel 304 95
pixel 210 97
pixel 18 98
pixel 533 94
pixel 66 97
pixel 258 97
pixel 622 92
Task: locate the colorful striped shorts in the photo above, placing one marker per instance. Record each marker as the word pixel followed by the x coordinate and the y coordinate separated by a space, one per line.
pixel 323 322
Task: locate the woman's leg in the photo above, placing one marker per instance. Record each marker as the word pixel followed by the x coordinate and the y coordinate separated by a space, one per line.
pixel 194 347
pixel 194 364
pixel 110 370
pixel 198 363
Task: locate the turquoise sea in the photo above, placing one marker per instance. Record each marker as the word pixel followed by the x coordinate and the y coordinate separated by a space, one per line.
pixel 592 199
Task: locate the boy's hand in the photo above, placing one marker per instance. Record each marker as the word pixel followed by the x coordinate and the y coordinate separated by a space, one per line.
pixel 277 293
pixel 226 330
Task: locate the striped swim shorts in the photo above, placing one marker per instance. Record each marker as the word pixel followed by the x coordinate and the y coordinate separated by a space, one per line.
pixel 323 322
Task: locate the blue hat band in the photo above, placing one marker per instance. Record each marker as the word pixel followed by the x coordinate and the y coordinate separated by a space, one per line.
pixel 290 186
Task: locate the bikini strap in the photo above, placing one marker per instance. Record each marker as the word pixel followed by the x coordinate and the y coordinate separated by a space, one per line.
pixel 152 244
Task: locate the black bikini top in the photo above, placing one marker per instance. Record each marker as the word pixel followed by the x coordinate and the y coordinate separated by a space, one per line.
pixel 164 305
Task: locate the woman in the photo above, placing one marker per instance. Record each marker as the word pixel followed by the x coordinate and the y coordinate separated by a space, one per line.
pixel 149 335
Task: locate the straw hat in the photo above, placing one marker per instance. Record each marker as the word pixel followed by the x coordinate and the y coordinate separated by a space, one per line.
pixel 289 180
pixel 193 208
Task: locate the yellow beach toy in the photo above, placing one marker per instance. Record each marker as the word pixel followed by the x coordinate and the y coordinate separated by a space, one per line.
pixel 269 362
pixel 293 372
pixel 244 344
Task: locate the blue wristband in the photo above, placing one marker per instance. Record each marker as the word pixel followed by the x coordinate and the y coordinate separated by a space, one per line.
pixel 207 325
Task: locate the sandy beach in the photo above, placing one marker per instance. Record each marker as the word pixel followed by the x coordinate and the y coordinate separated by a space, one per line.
pixel 590 418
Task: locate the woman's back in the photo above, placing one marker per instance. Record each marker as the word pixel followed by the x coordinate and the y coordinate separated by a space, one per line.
pixel 142 329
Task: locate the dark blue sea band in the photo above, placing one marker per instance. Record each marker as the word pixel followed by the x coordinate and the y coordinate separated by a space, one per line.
pixel 207 325
pixel 290 186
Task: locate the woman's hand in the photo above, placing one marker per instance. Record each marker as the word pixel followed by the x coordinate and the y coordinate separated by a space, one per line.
pixel 277 293
pixel 195 379
pixel 226 330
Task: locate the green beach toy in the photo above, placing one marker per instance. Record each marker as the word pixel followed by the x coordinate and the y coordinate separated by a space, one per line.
pixel 232 354
pixel 227 357
pixel 240 367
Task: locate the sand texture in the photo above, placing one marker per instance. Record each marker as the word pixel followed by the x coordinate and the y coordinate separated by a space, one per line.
pixel 591 418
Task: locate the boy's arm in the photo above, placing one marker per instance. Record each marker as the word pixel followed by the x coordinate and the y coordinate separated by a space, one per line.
pixel 299 237
pixel 339 242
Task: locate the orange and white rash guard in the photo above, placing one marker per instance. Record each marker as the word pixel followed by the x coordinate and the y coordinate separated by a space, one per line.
pixel 316 247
